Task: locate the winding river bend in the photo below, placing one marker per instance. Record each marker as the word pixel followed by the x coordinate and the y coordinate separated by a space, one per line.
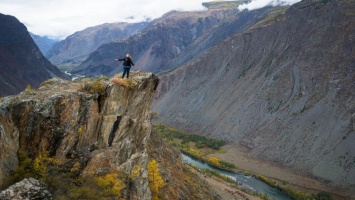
pixel 246 181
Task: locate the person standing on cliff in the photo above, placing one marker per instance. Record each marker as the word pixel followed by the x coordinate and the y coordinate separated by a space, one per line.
pixel 127 63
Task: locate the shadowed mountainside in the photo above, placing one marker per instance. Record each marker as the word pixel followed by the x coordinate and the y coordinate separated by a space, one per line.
pixel 284 89
pixel 43 43
pixel 21 62
pixel 77 47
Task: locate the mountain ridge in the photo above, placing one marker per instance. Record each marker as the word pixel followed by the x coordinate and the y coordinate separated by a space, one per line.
pixel 44 43
pixel 21 61
pixel 173 39
pixel 76 47
pixel 282 89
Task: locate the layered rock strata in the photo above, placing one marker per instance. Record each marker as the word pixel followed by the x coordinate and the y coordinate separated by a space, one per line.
pixel 106 132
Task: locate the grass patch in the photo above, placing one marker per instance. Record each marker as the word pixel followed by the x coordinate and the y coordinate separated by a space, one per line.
pixel 93 87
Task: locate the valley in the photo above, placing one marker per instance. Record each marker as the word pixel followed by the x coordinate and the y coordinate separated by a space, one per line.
pixel 267 92
pixel 286 177
pixel 279 90
pixel 298 183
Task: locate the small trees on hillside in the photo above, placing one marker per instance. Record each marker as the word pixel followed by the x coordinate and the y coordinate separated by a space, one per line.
pixel 155 180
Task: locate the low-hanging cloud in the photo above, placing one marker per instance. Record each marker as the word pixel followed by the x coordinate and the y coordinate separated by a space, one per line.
pixel 256 4
pixel 60 18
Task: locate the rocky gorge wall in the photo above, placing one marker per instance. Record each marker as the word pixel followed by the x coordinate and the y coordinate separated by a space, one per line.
pixel 103 132
pixel 284 89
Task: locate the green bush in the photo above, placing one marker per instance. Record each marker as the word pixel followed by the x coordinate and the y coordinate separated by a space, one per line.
pixel 201 142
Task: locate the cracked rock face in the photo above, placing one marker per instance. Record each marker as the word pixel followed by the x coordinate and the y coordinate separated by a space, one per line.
pixel 27 189
pixel 105 132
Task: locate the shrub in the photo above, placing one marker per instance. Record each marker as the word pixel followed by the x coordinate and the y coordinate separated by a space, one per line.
pixel 80 130
pixel 129 82
pixel 28 167
pixel 75 167
pixel 66 183
pixel 213 161
pixel 110 184
pixel 28 88
pixel 94 87
pixel 135 172
pixel 227 164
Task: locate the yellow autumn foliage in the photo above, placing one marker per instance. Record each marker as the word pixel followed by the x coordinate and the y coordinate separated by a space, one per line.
pixel 135 172
pixel 41 163
pixel 76 167
pixel 155 180
pixel 80 130
pixel 110 183
pixel 214 161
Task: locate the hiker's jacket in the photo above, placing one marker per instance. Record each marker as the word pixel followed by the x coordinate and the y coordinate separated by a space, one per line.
pixel 127 62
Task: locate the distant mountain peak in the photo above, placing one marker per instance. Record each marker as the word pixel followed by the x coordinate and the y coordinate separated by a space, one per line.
pixel 77 47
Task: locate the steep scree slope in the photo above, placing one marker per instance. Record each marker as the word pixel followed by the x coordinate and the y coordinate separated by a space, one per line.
pixel 284 89
pixel 105 133
pixel 21 62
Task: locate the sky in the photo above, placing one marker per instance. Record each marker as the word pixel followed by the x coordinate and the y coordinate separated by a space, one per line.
pixel 58 19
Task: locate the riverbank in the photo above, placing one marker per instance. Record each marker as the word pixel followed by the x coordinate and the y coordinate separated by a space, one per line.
pixel 226 191
pixel 286 177
pixel 217 153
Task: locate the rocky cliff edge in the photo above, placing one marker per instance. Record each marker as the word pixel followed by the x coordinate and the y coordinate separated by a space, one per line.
pixel 92 128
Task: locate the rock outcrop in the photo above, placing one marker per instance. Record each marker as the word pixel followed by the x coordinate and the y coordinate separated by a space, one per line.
pixel 27 189
pixel 284 89
pixel 93 133
pixel 21 62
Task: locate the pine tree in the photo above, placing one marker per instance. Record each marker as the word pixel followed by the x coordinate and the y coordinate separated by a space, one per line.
pixel 155 180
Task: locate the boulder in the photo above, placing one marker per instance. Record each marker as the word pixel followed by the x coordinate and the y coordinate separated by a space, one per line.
pixel 28 188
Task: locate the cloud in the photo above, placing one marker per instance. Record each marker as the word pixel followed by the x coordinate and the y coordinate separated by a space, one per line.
pixel 60 18
pixel 256 4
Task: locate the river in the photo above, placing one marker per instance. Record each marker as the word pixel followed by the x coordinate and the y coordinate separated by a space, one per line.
pixel 246 181
pixel 73 76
